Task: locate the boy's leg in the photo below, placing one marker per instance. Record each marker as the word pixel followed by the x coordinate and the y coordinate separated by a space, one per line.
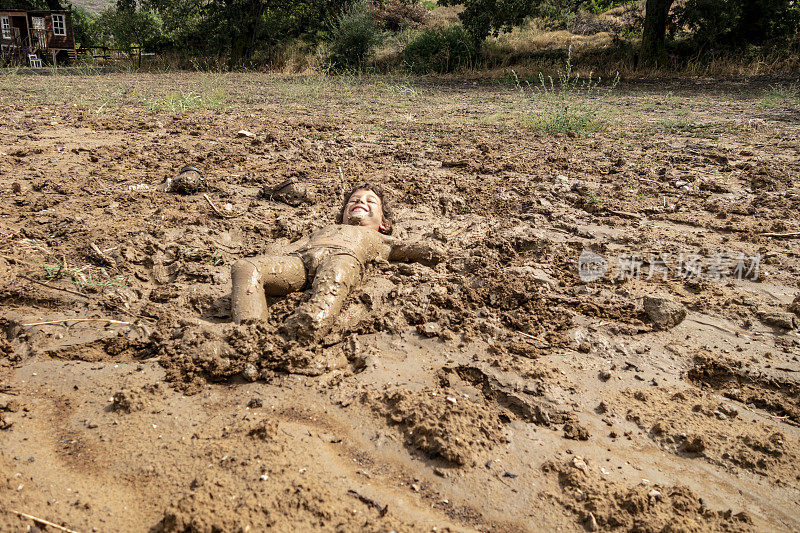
pixel 256 277
pixel 335 277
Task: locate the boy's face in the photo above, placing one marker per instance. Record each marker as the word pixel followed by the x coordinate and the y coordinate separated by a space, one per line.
pixel 364 208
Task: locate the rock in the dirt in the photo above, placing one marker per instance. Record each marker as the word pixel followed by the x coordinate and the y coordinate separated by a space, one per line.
pixel 579 463
pixel 291 192
pixel 188 181
pixel 245 133
pixel 537 275
pixel 561 183
pixel 664 311
pixel 779 319
pixel 250 373
pixel 429 329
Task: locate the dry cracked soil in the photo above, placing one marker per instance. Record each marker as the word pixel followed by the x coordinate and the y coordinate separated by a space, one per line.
pixel 610 344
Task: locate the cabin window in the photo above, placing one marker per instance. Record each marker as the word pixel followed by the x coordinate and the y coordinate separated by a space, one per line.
pixel 37 23
pixel 6 25
pixel 59 25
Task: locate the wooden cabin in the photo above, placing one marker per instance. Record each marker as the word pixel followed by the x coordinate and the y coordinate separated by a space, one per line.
pixel 40 33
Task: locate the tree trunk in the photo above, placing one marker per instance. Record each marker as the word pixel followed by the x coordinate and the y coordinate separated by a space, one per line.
pixel 655 32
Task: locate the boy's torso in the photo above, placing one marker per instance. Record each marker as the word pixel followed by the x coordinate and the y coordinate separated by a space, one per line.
pixel 364 244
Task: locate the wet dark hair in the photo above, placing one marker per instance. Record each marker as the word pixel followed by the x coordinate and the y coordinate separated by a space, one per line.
pixel 379 192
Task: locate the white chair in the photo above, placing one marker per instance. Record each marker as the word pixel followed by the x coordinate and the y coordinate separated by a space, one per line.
pixel 34 61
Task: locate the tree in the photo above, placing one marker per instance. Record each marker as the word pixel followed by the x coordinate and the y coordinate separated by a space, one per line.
pixel 239 27
pixel 30 5
pixel 654 33
pixel 128 28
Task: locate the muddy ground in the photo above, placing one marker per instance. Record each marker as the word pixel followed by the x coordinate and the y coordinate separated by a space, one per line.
pixel 494 391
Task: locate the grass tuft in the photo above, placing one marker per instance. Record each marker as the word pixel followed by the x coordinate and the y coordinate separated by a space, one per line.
pixel 83 277
pixel 565 119
pixel 570 103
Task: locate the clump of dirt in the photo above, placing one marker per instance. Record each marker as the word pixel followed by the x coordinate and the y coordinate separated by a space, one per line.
pixel 726 376
pixel 699 426
pixel 601 504
pixel 211 505
pixel 442 423
pixel 132 400
pixel 198 354
pixel 493 303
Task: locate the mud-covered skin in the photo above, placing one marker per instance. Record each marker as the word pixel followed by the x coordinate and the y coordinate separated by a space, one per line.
pixel 333 257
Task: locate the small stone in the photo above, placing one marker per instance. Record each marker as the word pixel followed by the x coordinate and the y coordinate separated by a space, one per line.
pixel 290 192
pixel 654 495
pixel 415 487
pixel 579 463
pixel 664 311
pixel 720 415
pixel 255 403
pixel 250 373
pixel 245 133
pixel 263 477
pixel 604 375
pixel 17 187
pixel 429 329
pixel 188 181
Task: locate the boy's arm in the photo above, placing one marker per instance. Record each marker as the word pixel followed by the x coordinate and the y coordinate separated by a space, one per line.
pixel 427 253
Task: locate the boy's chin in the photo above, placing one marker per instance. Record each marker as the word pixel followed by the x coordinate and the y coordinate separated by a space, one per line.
pixel 356 220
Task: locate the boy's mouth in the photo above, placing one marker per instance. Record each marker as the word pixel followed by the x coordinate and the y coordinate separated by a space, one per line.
pixel 359 209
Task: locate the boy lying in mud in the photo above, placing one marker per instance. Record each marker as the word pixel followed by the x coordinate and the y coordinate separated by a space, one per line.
pixel 332 259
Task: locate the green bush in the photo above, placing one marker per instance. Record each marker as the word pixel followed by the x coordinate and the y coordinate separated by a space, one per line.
pixel 712 23
pixel 354 38
pixel 601 6
pixel 440 50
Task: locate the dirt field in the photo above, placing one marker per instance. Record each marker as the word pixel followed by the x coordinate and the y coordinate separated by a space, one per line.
pixel 503 389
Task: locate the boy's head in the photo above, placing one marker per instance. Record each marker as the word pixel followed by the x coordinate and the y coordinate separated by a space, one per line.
pixel 366 206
